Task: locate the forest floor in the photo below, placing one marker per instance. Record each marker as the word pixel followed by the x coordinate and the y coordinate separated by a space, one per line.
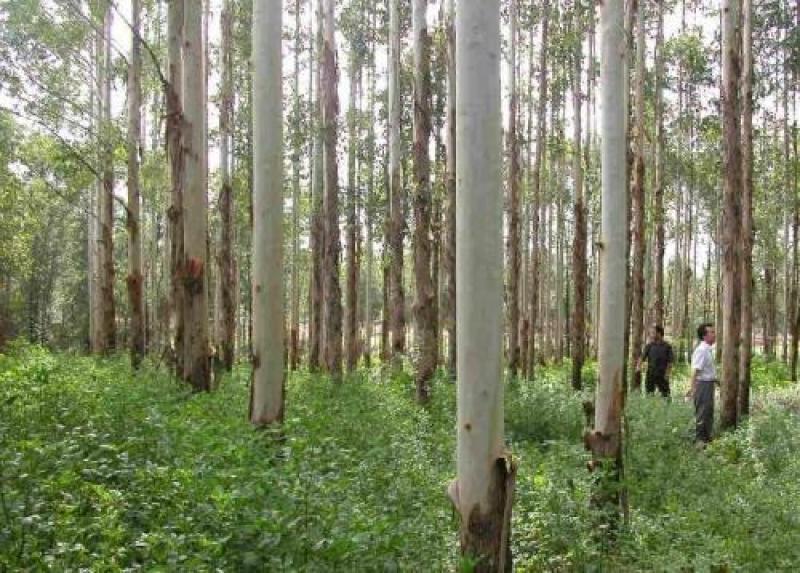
pixel 108 470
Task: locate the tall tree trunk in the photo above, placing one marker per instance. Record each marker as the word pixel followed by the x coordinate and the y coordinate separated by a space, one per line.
pixel 770 320
pixel 316 336
pixel 174 138
pixel 297 149
pixel 658 186
pixel 226 265
pixel 526 335
pixel 424 310
pixel 512 245
pixel 105 200
pixel 351 290
pixel 605 441
pixel 637 279
pixel 536 177
pixel 135 279
pixel 450 214
pixel 93 246
pixel 396 192
pixel 483 490
pixel 195 229
pixel 579 269
pixel 330 110
pixel 746 349
pixel 795 325
pixel 269 373
pixel 732 214
pixel 370 209
pixel 795 222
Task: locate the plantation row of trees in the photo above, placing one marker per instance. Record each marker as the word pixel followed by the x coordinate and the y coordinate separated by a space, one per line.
pixel 171 185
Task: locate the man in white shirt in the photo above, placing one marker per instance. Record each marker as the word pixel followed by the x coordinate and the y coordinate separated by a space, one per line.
pixel 704 378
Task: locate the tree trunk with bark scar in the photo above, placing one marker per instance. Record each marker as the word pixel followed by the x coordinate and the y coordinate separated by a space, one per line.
pixel 330 111
pixel 135 278
pixel 226 271
pixel 605 440
pixel 194 274
pixel 425 319
pixel 174 139
pixel 484 488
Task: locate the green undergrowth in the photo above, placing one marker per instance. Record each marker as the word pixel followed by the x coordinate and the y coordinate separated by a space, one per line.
pixel 103 469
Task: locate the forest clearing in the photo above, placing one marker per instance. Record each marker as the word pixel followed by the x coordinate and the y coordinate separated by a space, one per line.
pixel 399 285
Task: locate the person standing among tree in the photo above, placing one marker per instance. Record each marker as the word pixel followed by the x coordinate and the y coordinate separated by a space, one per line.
pixel 704 378
pixel 659 357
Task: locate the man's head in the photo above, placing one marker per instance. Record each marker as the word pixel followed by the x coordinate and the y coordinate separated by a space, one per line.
pixel 656 333
pixel 706 333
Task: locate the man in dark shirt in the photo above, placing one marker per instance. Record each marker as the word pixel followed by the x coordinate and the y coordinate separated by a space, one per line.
pixel 658 355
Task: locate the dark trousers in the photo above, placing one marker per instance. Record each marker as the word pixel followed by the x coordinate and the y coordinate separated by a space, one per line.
pixel 704 410
pixel 654 381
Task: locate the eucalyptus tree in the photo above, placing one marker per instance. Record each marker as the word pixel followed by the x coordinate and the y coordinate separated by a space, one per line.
pixel 397 321
pixel 105 322
pixel 352 23
pixel 135 279
pixel 732 213
pixel 483 490
pixel 745 352
pixel 268 377
pixel 316 344
pixel 449 306
pixel 424 309
pixel 329 111
pixel 536 178
pixel 196 369
pixel 226 262
pixel 638 197
pixel 658 183
pixel 579 241
pixel 174 141
pixel 605 440
pixel 513 241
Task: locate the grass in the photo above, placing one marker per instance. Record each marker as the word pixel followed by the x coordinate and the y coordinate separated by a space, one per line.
pixel 103 469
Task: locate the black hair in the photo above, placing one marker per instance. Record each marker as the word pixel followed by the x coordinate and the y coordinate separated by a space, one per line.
pixel 703 328
pixel 659 329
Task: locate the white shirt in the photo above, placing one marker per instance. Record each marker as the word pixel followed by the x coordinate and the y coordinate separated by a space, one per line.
pixel 703 362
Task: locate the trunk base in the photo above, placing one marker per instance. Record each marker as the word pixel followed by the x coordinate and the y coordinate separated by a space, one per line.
pixel 486 536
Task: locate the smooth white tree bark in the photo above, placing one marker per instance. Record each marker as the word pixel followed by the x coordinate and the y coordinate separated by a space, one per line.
pixel 611 353
pixel 483 468
pixel 266 398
